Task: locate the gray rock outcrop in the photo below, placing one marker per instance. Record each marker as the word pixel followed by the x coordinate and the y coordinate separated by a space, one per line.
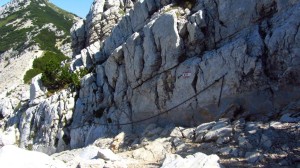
pixel 163 63
pixel 104 15
pixel 250 144
pixel 6 108
pixel 39 123
pixel 43 126
pixel 36 89
pixel 78 36
pixel 166 74
pixel 247 144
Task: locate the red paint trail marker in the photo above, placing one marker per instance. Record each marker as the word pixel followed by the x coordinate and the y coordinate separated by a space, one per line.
pixel 186 74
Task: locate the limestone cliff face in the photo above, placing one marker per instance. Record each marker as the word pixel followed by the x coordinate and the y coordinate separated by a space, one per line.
pixel 164 61
pixel 101 19
pixel 216 59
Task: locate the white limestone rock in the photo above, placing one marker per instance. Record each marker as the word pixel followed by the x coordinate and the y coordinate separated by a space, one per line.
pixel 199 160
pixel 107 154
pixel 12 156
pixel 36 88
pixel 9 137
pixel 6 107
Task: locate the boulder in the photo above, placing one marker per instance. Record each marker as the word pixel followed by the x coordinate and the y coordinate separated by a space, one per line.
pixel 12 156
pixel 176 132
pixel 6 108
pixel 90 152
pixel 253 157
pixel 188 133
pixel 214 134
pixel 36 88
pixel 201 130
pixel 153 152
pixel 107 154
pixel 199 160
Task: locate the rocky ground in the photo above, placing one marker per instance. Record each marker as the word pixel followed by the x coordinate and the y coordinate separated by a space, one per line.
pixel 222 143
pixel 187 65
pixel 13 70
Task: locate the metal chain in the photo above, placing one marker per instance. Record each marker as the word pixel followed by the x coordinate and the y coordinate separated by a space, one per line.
pixel 149 118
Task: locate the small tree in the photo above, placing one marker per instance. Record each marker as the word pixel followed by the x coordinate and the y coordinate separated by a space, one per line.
pixel 55 76
pixel 50 77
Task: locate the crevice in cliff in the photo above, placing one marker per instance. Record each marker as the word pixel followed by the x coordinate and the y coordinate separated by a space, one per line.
pixel 66 139
pixel 266 12
pixel 85 37
pixel 236 113
pixel 98 113
pixel 194 82
pixel 263 28
pixel 56 142
pixel 210 29
pixel 201 74
pixel 194 85
pixel 157 98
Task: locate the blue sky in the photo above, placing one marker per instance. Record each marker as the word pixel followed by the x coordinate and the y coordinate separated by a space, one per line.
pixel 79 7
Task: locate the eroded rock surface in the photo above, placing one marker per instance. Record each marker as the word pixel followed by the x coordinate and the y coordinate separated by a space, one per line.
pixel 166 74
pixel 248 144
pixel 164 63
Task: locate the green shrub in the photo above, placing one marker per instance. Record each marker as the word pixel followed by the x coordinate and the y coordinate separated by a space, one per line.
pixel 47 14
pixel 10 38
pixel 122 12
pixel 8 19
pixel 49 62
pixel 79 74
pixel 40 63
pixel 50 75
pixel 30 74
pixel 56 77
pixel 47 40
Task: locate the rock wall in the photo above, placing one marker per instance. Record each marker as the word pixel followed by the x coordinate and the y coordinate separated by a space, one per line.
pixel 216 59
pixel 103 16
pixel 34 121
pixel 165 62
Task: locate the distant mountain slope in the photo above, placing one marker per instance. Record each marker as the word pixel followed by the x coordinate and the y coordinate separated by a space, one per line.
pixel 34 23
pixel 28 28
